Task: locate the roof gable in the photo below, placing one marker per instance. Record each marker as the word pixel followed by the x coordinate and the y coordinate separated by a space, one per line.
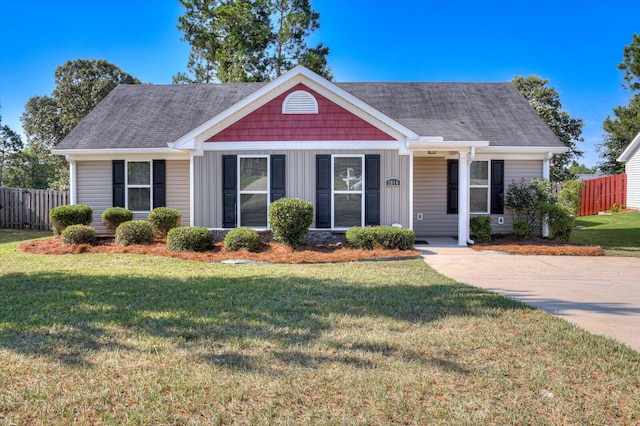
pixel 332 122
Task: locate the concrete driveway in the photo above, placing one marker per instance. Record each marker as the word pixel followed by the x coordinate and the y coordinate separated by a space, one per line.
pixel 599 294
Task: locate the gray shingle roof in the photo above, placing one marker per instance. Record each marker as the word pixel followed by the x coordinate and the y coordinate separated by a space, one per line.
pixel 149 116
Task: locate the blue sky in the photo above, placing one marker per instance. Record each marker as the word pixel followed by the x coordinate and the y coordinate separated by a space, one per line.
pixel 574 44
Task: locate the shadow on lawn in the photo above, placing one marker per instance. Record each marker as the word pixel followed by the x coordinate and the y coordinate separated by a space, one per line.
pixel 66 317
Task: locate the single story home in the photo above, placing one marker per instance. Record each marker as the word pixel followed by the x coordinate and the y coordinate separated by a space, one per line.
pixel 425 156
pixel 631 158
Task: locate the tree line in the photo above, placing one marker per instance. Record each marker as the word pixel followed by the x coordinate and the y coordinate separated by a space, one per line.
pixel 258 40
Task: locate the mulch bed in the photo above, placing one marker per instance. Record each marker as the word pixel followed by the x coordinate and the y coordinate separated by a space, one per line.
pixel 537 245
pixel 271 252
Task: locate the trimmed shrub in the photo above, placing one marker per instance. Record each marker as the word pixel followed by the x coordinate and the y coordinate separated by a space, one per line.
pixel 388 237
pixel 164 219
pixel 242 238
pixel 361 238
pixel 78 234
pixel 114 216
pixel 134 232
pixel 481 228
pixel 63 216
pixel 560 221
pixel 522 229
pixel 392 238
pixel 189 238
pixel 290 219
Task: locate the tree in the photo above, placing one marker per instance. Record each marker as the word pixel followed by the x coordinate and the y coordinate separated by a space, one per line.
pixel 10 145
pixel 620 131
pixel 546 101
pixel 625 125
pixel 631 64
pixel 248 40
pixel 581 169
pixel 80 86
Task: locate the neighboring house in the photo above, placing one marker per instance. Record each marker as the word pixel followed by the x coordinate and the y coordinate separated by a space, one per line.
pixel 631 158
pixel 426 156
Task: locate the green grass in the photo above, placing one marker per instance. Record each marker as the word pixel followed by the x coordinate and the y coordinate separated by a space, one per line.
pixel 617 234
pixel 127 339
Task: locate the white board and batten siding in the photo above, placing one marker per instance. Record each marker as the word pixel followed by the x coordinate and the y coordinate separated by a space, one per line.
pixel 430 195
pixel 94 188
pixel 632 169
pixel 301 182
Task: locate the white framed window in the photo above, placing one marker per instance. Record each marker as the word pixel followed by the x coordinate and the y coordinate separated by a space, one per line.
pixel 347 183
pixel 138 178
pixel 253 190
pixel 479 193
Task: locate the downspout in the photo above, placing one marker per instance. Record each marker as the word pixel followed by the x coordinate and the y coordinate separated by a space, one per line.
pixel 472 155
pixel 546 175
pixel 73 193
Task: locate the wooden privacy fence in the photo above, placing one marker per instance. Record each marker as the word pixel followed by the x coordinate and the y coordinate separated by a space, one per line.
pixel 602 193
pixel 29 208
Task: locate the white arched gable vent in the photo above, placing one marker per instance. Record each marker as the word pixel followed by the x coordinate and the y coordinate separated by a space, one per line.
pixel 300 102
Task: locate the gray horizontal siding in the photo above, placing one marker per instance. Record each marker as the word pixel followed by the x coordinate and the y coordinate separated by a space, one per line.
pixel 94 188
pixel 430 196
pixel 430 199
pixel 177 178
pixel 300 182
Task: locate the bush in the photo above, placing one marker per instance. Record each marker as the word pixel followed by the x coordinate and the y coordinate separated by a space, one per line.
pixel 164 219
pixel 63 216
pixel 290 219
pixel 78 234
pixel 188 238
pixel 522 229
pixel 392 238
pixel 560 221
pixel 134 232
pixel 570 196
pixel 114 216
pixel 361 238
pixel 388 237
pixel 242 238
pixel 481 228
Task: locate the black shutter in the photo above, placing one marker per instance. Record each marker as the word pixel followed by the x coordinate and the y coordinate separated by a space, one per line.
pixel 497 186
pixel 372 190
pixel 452 186
pixel 323 191
pixel 229 190
pixel 278 175
pixel 159 183
pixel 118 183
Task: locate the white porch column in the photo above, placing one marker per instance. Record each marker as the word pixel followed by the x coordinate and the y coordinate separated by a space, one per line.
pixel 463 198
pixel 546 174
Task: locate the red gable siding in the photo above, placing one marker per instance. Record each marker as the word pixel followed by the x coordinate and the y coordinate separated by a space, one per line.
pixel 332 123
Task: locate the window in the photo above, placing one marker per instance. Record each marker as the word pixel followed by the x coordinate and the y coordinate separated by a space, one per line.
pixel 139 186
pixel 347 191
pixel 253 191
pixel 486 186
pixel 249 184
pixel 479 187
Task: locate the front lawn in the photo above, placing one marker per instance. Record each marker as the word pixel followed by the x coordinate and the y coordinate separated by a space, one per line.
pixel 617 234
pixel 130 339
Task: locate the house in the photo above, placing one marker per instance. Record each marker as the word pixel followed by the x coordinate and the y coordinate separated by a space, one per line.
pixel 426 156
pixel 631 158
